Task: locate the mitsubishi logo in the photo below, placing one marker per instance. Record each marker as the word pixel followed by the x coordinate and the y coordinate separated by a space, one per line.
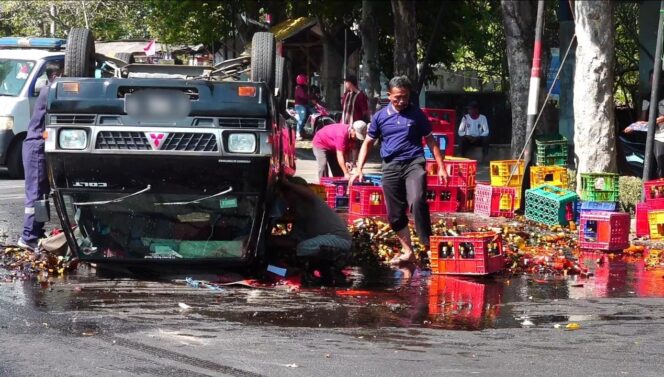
pixel 156 139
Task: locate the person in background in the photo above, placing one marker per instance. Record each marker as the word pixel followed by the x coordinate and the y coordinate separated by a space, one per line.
pixel 34 164
pixel 354 102
pixel 642 125
pixel 332 143
pixel 401 126
pixel 474 130
pixel 301 103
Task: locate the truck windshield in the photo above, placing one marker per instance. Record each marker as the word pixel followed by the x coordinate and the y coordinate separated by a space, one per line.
pixel 148 227
pixel 13 75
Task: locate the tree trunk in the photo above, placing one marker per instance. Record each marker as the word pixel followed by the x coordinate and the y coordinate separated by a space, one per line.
pixel 519 24
pixel 369 31
pixel 594 140
pixel 331 76
pixel 405 39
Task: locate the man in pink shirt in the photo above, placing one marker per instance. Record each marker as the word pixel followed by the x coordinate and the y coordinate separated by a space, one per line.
pixel 332 142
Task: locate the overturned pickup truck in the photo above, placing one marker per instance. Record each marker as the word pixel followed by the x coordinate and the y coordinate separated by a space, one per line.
pixel 147 169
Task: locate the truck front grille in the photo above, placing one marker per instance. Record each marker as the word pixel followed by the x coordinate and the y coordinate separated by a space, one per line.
pixel 174 141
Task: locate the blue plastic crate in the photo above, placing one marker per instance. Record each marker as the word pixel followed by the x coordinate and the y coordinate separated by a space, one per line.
pixel 599 206
pixel 442 143
pixel 374 179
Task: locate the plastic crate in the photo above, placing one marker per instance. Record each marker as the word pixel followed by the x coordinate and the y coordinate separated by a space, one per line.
pixel 501 171
pixel 445 143
pixel 445 119
pixel 319 190
pixel 604 230
pixel 466 199
pixel 469 254
pixel 367 201
pixel 654 190
pixel 442 198
pixel 456 167
pixel 656 224
pixel 600 187
pixel 494 201
pixel 550 205
pixel 549 175
pixel 642 223
pixel 551 150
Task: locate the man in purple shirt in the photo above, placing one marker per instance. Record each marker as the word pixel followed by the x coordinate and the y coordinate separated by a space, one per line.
pixel 34 165
pixel 401 127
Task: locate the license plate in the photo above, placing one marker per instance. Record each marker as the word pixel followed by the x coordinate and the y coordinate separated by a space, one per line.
pixel 157 104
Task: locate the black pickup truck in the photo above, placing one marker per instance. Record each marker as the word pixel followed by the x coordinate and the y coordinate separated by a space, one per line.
pixel 148 169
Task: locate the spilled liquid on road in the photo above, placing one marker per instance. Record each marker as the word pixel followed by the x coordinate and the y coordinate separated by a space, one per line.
pixel 398 298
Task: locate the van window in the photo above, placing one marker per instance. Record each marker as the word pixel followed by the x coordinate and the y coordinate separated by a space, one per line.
pixel 13 75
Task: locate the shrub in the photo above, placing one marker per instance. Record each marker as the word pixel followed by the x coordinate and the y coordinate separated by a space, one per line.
pixel 630 193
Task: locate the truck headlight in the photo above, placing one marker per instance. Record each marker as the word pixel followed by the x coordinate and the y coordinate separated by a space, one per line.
pixel 242 143
pixel 6 122
pixel 73 139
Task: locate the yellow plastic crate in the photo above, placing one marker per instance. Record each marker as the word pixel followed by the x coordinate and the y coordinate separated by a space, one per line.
pixel 502 170
pixel 656 221
pixel 549 175
pixel 319 190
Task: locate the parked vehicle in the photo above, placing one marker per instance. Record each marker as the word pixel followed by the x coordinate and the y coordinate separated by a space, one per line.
pixel 170 165
pixel 319 118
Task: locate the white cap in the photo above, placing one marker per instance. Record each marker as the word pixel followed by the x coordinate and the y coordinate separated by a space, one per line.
pixel 360 128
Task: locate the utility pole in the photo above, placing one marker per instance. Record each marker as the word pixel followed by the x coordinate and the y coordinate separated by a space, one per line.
pixel 653 108
pixel 535 78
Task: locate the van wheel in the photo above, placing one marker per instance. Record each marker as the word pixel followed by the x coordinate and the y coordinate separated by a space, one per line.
pixel 263 48
pixel 15 159
pixel 126 57
pixel 80 53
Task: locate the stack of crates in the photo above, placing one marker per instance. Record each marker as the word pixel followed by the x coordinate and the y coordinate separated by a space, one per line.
pixel 550 205
pixel 508 173
pixel 494 201
pixel 461 173
pixel 336 192
pixel 442 120
pixel 604 230
pixel 478 253
pixel 651 211
pixel 551 150
pixel 549 175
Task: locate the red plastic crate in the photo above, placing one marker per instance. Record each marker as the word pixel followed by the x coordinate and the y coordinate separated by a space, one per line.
pixel 366 201
pixel 442 120
pixel 442 198
pixel 463 301
pixel 642 224
pixel 479 253
pixel 494 201
pixel 462 168
pixel 604 230
pixel 654 191
pixel 466 199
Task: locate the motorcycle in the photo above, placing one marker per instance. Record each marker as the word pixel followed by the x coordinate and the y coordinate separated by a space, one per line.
pixel 318 118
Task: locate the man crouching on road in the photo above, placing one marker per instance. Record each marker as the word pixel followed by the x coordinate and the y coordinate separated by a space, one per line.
pixel 320 237
pixel 401 126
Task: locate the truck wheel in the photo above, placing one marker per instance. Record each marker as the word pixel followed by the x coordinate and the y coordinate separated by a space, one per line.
pixel 80 53
pixel 263 48
pixel 126 57
pixel 15 159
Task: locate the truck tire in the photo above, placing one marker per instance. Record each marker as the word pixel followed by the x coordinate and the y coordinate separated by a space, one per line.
pixel 80 53
pixel 126 57
pixel 263 47
pixel 279 76
pixel 15 159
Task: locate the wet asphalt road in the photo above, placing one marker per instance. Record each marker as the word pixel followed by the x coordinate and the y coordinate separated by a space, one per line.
pixel 400 323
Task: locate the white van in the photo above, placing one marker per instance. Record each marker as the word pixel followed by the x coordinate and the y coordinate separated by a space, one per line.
pixel 22 75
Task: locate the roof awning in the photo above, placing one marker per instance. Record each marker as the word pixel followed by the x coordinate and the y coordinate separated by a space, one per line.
pixel 294 26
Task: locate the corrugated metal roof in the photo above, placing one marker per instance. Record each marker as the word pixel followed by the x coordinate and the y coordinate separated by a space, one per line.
pixel 289 28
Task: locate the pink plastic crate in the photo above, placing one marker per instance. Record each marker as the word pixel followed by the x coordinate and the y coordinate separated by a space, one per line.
pixel 464 169
pixel 604 230
pixel 493 201
pixel 642 225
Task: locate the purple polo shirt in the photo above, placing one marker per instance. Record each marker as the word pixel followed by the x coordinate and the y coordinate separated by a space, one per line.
pixel 401 132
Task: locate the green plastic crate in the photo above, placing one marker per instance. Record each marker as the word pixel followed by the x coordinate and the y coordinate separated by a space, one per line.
pixel 600 187
pixel 550 205
pixel 551 150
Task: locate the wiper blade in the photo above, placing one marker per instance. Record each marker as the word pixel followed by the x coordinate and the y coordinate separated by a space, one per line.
pixel 228 190
pixel 117 200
